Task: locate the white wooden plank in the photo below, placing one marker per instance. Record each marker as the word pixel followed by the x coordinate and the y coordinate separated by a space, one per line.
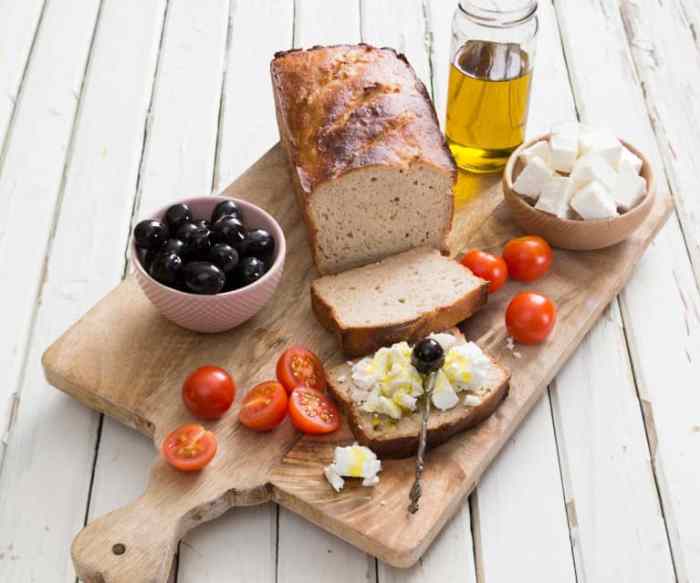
pixel 319 22
pixel 522 520
pixel 180 153
pixel 322 556
pixel 611 497
pixel 178 161
pixel 248 126
pixel 242 544
pixel 30 178
pixel 18 27
pixel 307 553
pixel 664 45
pixel 399 24
pixel 439 19
pixel 661 303
pixel 46 478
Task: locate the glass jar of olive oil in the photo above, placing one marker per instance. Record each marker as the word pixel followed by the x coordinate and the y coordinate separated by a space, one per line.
pixel 493 52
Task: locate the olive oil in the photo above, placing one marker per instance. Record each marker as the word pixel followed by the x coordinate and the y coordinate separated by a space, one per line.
pixel 487 104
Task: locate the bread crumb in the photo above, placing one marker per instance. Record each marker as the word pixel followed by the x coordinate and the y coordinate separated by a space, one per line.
pixel 342 379
pixel 517 354
pixel 510 343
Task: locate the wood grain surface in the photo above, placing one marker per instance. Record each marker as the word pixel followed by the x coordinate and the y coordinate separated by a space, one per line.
pixel 124 359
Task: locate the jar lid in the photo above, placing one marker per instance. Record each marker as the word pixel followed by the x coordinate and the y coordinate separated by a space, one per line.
pixel 499 12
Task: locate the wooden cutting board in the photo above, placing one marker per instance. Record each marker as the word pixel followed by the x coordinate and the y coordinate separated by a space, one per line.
pixel 125 360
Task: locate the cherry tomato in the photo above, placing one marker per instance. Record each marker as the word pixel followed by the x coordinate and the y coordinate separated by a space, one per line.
pixel 298 366
pixel 312 412
pixel 208 392
pixel 530 317
pixel 189 448
pixel 264 406
pixel 486 266
pixel 527 257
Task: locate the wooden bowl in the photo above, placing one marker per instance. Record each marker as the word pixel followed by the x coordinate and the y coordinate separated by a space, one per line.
pixel 578 235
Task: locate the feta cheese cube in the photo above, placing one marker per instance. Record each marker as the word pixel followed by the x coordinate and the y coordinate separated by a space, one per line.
pixel 532 179
pixel 537 150
pixel 629 160
pixel 593 202
pixel 603 143
pixel 593 167
pixel 555 196
pixel 629 188
pixel 563 146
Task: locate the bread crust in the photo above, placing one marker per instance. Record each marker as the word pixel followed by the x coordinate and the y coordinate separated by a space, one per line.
pixel 350 107
pixel 362 340
pixel 442 424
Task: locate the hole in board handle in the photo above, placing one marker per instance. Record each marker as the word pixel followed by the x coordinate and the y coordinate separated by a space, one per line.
pixel 119 549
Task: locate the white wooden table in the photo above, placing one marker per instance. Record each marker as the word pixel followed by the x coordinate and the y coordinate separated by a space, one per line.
pixel 109 108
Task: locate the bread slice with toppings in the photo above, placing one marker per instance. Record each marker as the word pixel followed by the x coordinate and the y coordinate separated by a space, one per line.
pixel 403 297
pixel 390 438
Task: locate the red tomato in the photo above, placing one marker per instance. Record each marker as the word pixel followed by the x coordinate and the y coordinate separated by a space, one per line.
pixel 189 448
pixel 527 257
pixel 298 366
pixel 264 406
pixel 530 317
pixel 313 412
pixel 208 392
pixel 486 266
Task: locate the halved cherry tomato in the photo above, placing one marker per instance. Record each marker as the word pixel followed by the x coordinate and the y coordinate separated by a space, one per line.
pixel 298 366
pixel 527 257
pixel 264 406
pixel 486 266
pixel 189 448
pixel 313 412
pixel 530 317
pixel 208 392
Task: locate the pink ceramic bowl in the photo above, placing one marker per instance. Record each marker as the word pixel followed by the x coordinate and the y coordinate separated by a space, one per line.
pixel 220 312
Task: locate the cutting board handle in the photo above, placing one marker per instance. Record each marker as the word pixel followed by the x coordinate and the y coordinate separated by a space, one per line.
pixel 134 544
pixel 137 543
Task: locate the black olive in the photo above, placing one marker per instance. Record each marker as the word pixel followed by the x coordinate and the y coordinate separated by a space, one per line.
pixel 229 230
pixel 250 270
pixel 259 243
pixel 202 223
pixel 202 277
pixel 151 234
pixel 227 208
pixel 178 214
pixel 224 257
pixel 185 232
pixel 166 267
pixel 176 246
pixel 200 242
pixel 428 356
pixel 145 257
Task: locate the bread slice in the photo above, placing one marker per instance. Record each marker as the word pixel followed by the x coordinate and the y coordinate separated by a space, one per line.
pixel 400 438
pixel 404 297
pixel 368 162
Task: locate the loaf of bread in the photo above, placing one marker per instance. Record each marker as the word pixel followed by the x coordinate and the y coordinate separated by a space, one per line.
pixel 404 297
pixel 368 161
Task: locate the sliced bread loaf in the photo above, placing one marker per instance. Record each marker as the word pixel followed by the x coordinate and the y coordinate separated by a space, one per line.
pixel 368 161
pixel 398 439
pixel 403 297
